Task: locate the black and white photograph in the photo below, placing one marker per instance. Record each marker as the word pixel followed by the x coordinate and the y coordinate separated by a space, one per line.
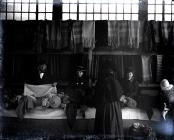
pixel 86 69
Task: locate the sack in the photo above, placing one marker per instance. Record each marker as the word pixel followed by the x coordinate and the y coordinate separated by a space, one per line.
pixel 138 130
pixel 131 102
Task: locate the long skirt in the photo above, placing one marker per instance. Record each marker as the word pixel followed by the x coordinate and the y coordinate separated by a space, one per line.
pixel 108 120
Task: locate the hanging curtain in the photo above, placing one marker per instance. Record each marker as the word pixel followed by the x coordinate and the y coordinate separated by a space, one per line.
pixel 133 40
pixel 123 34
pixel 146 68
pixel 166 35
pixel 53 35
pixel 95 67
pixel 77 37
pixel 88 34
pixel 66 34
pixel 146 39
pixel 159 68
pixel 40 37
pixel 156 27
pixel 113 34
pixel 101 34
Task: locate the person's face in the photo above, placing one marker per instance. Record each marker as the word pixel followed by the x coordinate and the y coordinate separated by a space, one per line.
pixel 79 73
pixel 129 75
pixel 42 68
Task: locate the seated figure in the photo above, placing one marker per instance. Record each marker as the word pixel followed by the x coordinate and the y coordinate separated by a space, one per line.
pixel 130 87
pixel 39 92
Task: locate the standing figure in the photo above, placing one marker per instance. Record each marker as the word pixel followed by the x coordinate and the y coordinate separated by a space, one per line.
pixel 167 93
pixel 108 119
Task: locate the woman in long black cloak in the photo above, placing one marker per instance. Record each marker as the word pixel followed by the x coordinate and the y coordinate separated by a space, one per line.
pixel 108 119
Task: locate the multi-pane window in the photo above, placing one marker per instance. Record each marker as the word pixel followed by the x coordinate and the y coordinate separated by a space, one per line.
pixel 100 9
pixel 26 9
pixel 161 10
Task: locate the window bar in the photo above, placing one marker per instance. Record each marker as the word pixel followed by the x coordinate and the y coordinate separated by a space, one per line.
pixel 163 19
pixel 29 10
pixel 77 10
pixel 37 13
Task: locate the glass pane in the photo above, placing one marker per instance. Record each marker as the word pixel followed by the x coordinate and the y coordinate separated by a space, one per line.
pixel 3 16
pixel 159 1
pixel 104 16
pixel 112 1
pixel 17 8
pixel 65 1
pixel 167 9
pixel 135 8
pixel 65 7
pixel 32 16
pixel 119 16
pixel 17 16
pixel 17 0
pixel 41 7
pixel 135 1
pixel 82 1
pixel 82 7
pixel 25 7
pixel 41 1
pixel 3 7
pixel 49 8
pixel 168 1
pixel 158 17
pixel 98 1
pixel 89 8
pixel 96 16
pixel 49 16
pixel 127 8
pixel 41 16
pixel 167 17
pixel 24 16
pixel 96 7
pixel 112 8
pixel 151 17
pixel 73 16
pixel 32 7
pixel 32 1
pixel 65 16
pixel 25 1
pixel 151 8
pixel 73 1
pixel 172 17
pixel 119 8
pixel 127 1
pixel 159 8
pixel 49 1
pixel 10 7
pixel 151 1
pixel 73 7
pixel 127 16
pixel 90 1
pixel 111 16
pixel 104 1
pixel 89 16
pixel 134 16
pixel 10 0
pixel 104 8
pixel 82 16
pixel 9 15
pixel 119 1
